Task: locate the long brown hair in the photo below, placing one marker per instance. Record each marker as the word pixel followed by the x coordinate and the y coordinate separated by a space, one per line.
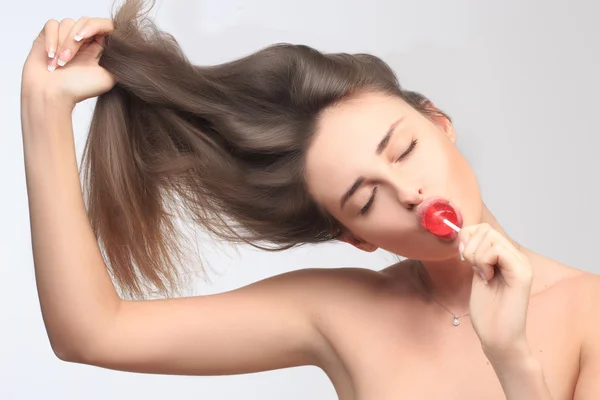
pixel 223 145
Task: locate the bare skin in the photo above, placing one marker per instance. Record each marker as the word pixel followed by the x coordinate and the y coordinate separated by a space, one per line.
pixel 392 341
pixel 378 335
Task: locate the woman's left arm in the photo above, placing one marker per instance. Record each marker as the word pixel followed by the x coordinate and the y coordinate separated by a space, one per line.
pixel 499 303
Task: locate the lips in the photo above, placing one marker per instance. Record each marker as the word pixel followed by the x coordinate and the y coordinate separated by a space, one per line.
pixel 431 214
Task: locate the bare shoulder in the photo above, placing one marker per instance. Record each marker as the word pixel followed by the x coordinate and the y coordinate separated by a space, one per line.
pixel 586 288
pixel 572 279
pixel 343 294
pixel 552 277
pixel 332 282
pixel 558 285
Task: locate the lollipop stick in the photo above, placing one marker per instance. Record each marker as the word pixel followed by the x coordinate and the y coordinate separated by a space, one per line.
pixel 451 225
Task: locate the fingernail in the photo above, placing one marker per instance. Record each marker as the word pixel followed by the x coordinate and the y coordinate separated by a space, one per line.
pixel 52 64
pixel 51 53
pixel 461 249
pixel 64 57
pixel 483 278
pixel 481 274
pixel 78 37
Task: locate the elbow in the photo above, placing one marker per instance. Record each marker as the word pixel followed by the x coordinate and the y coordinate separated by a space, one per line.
pixel 65 354
pixel 82 345
pixel 78 353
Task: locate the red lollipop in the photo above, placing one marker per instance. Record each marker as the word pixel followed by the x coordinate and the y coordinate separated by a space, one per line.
pixel 433 214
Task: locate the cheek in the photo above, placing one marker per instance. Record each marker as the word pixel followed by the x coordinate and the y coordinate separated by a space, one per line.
pixel 387 222
pixel 444 167
pixel 463 189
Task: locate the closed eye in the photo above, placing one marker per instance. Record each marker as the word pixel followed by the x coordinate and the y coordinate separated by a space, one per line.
pixel 364 210
pixel 410 148
pixel 367 206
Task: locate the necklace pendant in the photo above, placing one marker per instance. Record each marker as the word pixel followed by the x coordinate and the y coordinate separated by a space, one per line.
pixel 456 322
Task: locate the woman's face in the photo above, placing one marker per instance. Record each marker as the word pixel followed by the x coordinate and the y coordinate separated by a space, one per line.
pixel 374 160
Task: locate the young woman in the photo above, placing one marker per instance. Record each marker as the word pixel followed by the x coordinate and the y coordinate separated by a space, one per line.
pixel 283 147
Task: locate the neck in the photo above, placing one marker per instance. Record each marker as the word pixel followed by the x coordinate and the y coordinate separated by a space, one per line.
pixel 449 281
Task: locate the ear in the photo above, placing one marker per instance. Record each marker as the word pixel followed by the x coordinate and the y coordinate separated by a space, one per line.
pixel 446 125
pixel 443 123
pixel 349 238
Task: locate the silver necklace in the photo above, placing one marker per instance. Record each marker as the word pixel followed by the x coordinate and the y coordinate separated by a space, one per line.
pixel 455 320
pixel 455 317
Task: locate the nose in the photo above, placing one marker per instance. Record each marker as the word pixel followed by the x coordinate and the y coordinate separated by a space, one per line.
pixel 409 195
pixel 410 198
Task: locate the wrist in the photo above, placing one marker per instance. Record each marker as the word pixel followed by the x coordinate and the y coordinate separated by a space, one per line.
pixel 47 101
pixel 517 357
pixel 516 366
pixel 45 123
pixel 522 378
pixel 507 353
pixel 40 111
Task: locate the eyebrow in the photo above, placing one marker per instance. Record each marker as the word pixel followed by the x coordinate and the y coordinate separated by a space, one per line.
pixel 383 144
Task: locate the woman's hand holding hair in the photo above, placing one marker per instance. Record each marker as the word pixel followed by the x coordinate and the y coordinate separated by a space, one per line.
pixel 63 65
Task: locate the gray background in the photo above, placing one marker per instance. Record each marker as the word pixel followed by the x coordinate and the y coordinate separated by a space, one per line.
pixel 520 78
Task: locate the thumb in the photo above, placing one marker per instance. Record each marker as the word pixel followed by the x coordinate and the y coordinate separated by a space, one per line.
pixel 479 276
pixel 94 49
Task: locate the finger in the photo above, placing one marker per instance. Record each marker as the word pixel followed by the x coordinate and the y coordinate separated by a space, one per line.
pixel 92 49
pixel 477 245
pixel 97 46
pixel 66 49
pixel 94 27
pixel 50 34
pixel 508 265
pixel 465 234
pixel 86 30
pixel 512 264
pixel 474 236
pixel 488 257
pixel 63 28
pixel 503 259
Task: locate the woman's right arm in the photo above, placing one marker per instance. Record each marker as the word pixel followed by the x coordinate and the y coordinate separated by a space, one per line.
pixel 266 325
